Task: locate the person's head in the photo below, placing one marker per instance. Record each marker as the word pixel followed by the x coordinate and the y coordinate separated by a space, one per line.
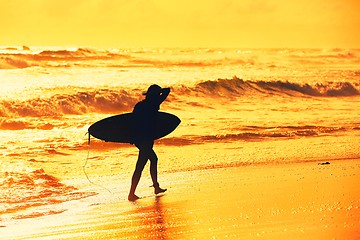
pixel 153 91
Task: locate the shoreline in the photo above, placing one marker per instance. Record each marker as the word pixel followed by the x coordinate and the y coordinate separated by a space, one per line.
pixel 290 201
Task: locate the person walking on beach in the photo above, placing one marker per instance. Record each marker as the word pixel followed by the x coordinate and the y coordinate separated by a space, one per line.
pixel 145 113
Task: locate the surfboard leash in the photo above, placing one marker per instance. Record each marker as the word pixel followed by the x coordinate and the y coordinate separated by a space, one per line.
pixel 84 167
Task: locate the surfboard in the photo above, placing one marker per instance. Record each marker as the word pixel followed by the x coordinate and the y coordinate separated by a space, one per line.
pixel 118 128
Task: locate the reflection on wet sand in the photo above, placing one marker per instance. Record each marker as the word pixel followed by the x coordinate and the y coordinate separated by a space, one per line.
pixel 154 220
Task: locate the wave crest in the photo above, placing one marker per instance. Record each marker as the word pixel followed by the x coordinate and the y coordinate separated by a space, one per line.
pixel 236 87
pixel 12 62
pixel 100 101
pixel 54 58
pixel 114 100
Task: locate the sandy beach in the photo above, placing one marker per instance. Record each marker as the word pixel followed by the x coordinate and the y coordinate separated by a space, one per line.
pixel 290 201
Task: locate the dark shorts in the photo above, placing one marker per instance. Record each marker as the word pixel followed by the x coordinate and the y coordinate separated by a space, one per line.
pixel 145 145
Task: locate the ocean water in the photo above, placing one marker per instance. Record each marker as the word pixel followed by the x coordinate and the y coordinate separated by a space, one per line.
pixel 238 107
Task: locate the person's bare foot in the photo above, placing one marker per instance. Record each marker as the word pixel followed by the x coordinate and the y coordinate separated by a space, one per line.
pixel 159 190
pixel 132 197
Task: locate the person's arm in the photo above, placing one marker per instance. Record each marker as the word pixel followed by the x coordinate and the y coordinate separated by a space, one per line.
pixel 163 94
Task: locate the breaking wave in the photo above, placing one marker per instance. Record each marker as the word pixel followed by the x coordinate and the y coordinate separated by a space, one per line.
pixel 238 87
pixel 54 58
pixel 100 58
pixel 114 58
pixel 126 58
pixel 114 101
pixel 100 101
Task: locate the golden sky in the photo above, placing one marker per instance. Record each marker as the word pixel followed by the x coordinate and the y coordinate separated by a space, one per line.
pixel 181 23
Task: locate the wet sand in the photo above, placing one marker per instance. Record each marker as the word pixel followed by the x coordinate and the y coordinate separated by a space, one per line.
pixel 289 201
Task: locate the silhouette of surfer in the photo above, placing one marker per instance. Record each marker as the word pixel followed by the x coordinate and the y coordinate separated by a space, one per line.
pixel 144 129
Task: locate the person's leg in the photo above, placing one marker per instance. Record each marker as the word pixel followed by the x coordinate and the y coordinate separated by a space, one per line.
pixel 141 162
pixel 153 166
pixel 153 172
